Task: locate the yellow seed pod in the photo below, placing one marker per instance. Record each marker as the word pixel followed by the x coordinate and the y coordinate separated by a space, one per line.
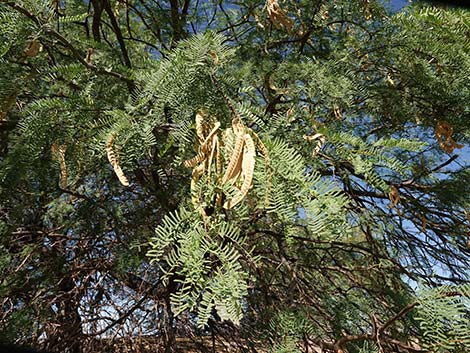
pixel 248 167
pixel 191 163
pixel 320 142
pixel 114 161
pixel 234 165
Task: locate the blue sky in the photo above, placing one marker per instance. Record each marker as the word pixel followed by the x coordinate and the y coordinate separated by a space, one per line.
pixel 398 4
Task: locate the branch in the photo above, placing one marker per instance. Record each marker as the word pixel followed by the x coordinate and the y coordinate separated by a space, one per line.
pixel 82 60
pixel 435 169
pixel 398 316
pixel 76 53
pixel 117 31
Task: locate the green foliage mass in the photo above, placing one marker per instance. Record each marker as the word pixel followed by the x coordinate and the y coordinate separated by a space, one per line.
pixel 345 125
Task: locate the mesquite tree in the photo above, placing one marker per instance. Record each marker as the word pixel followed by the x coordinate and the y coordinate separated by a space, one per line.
pixel 255 175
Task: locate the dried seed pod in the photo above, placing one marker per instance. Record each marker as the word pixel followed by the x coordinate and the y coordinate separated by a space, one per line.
pixel 215 141
pixel 218 162
pixel 321 141
pixel 200 126
pixel 114 161
pixel 208 140
pixel 214 57
pixel 203 148
pixel 234 165
pixel 277 15
pixel 444 133
pixel 394 197
pixel 89 53
pixel 33 49
pixel 337 112
pixel 191 163
pixel 248 168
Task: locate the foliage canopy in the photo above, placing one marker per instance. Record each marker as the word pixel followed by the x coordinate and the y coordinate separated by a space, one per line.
pixel 285 176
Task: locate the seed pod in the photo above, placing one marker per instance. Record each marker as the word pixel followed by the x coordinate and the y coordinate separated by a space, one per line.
pixel 114 161
pixel 278 16
pixel 394 197
pixel 321 141
pixel 191 163
pixel 200 126
pixel 33 49
pixel 234 165
pixel 248 168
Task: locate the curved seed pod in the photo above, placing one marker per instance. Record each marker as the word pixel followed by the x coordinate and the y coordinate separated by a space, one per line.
pixel 234 165
pixel 337 112
pixel 208 139
pixel 444 133
pixel 120 174
pixel 191 163
pixel 248 167
pixel 109 149
pixel 218 161
pixel 264 151
pixel 211 157
pixel 321 141
pixel 114 162
pixel 277 15
pixel 394 196
pixel 63 166
pixel 237 125
pixel 200 126
pixel 33 49
pixel 203 149
pixel 237 170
